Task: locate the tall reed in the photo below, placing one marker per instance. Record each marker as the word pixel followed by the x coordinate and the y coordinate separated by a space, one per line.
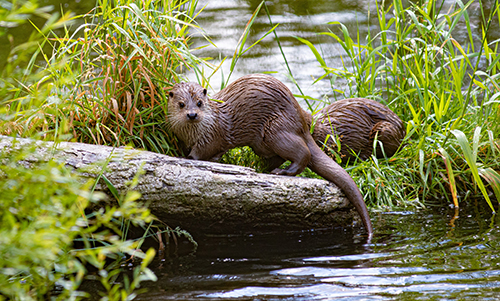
pixel 444 88
pixel 109 77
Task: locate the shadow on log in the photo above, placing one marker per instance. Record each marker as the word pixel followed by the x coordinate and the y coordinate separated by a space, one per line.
pixel 204 197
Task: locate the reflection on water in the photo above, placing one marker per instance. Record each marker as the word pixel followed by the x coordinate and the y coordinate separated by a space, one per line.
pixel 411 257
pixel 224 22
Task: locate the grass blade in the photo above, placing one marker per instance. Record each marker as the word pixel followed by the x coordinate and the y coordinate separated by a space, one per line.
pixel 451 176
pixel 493 178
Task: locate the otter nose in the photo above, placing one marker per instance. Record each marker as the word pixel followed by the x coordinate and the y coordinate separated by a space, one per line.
pixel 192 116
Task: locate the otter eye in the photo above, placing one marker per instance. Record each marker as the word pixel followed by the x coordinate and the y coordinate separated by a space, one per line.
pixel 199 103
pixel 181 105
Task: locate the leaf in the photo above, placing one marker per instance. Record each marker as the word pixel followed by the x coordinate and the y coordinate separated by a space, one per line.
pixel 470 156
pixel 111 188
pixel 150 255
pixel 493 178
pixel 258 41
pixel 315 52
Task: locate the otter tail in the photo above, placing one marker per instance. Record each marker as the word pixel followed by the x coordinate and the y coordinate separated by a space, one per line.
pixel 331 171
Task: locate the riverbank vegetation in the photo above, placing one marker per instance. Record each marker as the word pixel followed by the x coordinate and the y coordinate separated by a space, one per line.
pixel 440 76
pixel 105 78
pixel 98 78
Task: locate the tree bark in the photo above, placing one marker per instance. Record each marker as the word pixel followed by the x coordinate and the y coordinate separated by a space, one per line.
pixel 204 197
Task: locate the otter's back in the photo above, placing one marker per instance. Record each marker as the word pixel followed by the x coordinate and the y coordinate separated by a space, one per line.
pixel 257 102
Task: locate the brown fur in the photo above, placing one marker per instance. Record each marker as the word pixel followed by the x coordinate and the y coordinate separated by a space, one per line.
pixel 355 122
pixel 258 111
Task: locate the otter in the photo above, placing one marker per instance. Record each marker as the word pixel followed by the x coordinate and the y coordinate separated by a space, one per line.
pixel 261 112
pixel 356 122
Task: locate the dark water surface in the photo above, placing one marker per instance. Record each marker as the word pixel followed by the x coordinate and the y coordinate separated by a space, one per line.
pixel 429 255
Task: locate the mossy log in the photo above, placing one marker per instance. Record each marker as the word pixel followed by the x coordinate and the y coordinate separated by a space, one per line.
pixel 204 197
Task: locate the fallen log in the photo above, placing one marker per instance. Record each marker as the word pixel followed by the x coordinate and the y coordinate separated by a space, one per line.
pixel 204 197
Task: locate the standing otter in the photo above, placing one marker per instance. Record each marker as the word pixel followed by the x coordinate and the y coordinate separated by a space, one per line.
pixel 356 122
pixel 258 111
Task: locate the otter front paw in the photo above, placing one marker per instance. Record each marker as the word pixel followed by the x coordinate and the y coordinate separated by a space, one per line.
pixel 193 156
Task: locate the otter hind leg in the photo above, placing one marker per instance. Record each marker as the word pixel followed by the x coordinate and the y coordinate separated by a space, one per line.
pixel 293 148
pixel 273 163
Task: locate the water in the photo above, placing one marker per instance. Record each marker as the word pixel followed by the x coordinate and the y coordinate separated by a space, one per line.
pixel 224 23
pixel 429 255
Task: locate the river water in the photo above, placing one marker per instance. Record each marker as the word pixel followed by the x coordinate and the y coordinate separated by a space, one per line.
pixel 430 255
pixel 224 23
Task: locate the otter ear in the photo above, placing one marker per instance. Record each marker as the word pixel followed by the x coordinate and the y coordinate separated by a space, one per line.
pixel 205 92
pixel 171 94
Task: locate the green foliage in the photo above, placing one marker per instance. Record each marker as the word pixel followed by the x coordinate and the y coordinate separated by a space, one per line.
pixel 107 79
pixel 42 212
pixel 414 63
pixel 119 98
pixel 244 156
pixel 24 89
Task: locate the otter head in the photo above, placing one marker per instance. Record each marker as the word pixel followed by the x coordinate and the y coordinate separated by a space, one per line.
pixel 189 111
pixel 188 102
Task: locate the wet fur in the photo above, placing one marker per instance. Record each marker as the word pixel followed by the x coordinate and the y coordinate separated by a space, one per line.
pixel 356 122
pixel 257 111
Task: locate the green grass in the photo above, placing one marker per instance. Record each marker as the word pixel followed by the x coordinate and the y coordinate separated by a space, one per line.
pixel 106 81
pixel 413 63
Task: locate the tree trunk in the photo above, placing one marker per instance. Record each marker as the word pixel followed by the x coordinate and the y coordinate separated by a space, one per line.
pixel 204 197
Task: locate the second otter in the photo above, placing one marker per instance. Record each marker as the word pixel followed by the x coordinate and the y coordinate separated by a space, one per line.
pixel 356 122
pixel 258 111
